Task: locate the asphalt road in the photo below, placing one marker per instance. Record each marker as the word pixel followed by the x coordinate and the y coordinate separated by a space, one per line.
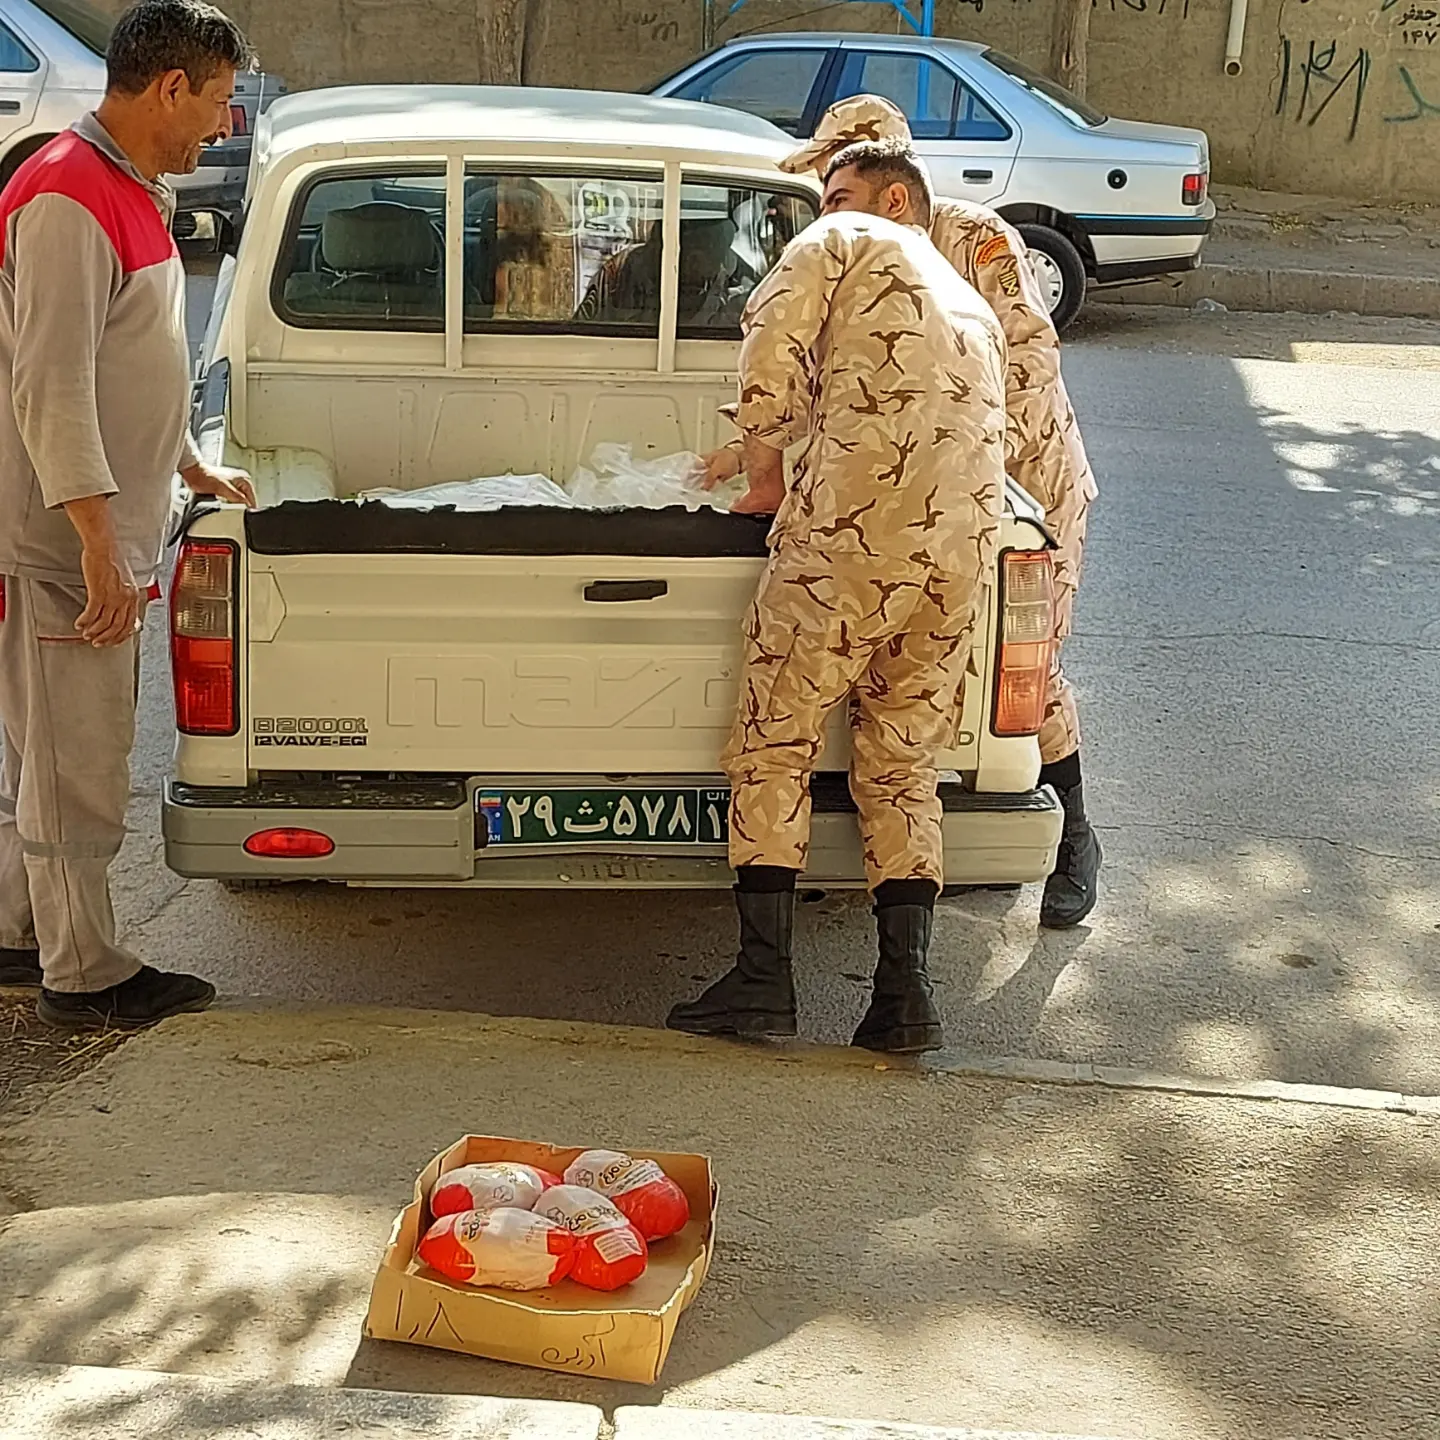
pixel 1258 654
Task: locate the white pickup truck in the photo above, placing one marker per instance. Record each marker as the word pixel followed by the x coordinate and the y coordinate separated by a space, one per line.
pixel 433 284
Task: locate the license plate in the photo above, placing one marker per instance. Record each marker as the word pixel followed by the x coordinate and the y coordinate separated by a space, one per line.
pixel 602 815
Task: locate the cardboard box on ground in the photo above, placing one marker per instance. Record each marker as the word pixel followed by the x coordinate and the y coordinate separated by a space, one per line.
pixel 623 1335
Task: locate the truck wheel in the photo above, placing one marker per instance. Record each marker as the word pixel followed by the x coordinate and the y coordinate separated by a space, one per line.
pixel 1060 270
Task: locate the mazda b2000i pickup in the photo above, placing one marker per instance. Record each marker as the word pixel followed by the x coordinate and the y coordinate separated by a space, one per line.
pixel 433 284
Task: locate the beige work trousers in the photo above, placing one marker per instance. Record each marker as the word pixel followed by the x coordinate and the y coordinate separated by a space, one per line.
pixel 68 712
pixel 898 645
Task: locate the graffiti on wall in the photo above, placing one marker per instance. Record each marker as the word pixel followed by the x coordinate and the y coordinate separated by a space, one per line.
pixel 1145 7
pixel 1421 108
pixel 1320 76
pixel 1419 24
pixel 653 24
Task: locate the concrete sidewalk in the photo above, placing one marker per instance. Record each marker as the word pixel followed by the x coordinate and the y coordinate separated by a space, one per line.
pixel 1308 254
pixel 895 1245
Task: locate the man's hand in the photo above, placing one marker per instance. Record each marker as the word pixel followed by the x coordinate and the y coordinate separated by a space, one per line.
pixel 765 469
pixel 721 466
pixel 222 482
pixel 114 602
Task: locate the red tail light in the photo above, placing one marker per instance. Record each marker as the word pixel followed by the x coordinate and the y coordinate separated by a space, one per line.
pixel 239 125
pixel 202 638
pixel 1027 640
pixel 1193 189
pixel 290 844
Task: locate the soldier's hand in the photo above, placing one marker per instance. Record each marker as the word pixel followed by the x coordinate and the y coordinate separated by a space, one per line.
pixel 765 470
pixel 721 466
pixel 763 500
pixel 113 600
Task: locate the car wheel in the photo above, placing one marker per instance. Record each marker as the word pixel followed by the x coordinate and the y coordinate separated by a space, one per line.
pixel 1059 269
pixel 19 155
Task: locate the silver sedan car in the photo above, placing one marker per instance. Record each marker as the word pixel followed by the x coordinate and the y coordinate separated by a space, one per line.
pixel 1098 200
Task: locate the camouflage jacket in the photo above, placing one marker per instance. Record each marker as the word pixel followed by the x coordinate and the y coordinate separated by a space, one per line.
pixel 867 346
pixel 1044 454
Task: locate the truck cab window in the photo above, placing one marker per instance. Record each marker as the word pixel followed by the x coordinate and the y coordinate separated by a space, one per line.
pixel 730 237
pixel 367 253
pixel 567 254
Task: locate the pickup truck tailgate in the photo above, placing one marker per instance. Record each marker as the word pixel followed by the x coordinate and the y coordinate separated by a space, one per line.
pixel 497 663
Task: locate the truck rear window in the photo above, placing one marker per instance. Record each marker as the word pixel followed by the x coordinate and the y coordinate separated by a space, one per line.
pixel 367 252
pixel 543 253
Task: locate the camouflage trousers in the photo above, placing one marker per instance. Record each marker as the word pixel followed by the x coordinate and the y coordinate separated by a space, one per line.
pixel 898 649
pixel 1060 729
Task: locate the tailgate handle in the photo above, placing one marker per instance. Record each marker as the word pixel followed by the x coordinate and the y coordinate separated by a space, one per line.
pixel 603 591
pixel 978 177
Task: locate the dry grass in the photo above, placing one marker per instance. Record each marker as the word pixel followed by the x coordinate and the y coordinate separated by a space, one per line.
pixel 31 1053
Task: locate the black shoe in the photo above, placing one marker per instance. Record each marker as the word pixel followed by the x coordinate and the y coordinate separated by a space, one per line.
pixel 1073 888
pixel 756 997
pixel 21 968
pixel 902 1018
pixel 146 998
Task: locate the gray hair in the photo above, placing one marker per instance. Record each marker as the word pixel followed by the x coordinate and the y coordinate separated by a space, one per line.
pixel 157 36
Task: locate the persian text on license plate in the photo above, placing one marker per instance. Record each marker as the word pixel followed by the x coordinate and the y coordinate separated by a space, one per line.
pixel 605 816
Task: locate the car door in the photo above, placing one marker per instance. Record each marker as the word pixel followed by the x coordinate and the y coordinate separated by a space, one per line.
pixel 778 83
pixel 22 77
pixel 968 143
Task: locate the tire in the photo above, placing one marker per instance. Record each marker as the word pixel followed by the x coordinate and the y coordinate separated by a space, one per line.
pixel 1061 271
pixel 19 155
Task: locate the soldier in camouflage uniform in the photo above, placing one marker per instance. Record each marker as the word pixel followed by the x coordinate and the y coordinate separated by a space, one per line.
pixel 864 343
pixel 1044 454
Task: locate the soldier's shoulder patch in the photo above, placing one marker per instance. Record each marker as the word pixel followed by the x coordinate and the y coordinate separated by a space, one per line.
pixel 1010 279
pixel 993 249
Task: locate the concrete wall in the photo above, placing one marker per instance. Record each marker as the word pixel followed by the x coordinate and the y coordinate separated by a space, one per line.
pixel 1336 97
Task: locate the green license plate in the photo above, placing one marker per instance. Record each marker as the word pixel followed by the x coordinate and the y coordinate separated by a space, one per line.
pixel 605 816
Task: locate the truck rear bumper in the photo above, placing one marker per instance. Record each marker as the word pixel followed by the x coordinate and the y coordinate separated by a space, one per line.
pixel 423 832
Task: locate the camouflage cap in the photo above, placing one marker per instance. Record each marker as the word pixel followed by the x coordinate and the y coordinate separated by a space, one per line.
pixel 847 122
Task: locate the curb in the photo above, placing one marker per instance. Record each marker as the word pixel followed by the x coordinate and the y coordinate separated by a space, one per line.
pixel 1018 1068
pixel 1122 1077
pixel 1305 292
pixel 82 1402
pixel 671 1422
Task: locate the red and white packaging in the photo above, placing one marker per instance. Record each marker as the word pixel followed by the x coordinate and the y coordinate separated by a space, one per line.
pixel 639 1189
pixel 486 1187
pixel 609 1251
pixel 509 1248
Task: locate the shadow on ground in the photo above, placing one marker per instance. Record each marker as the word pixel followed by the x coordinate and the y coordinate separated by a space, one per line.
pixel 892 1245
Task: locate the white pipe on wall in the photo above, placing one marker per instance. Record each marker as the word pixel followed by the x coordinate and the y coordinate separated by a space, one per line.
pixel 1235 40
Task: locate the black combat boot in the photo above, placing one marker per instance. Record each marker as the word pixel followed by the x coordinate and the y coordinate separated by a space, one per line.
pixel 902 1018
pixel 20 968
pixel 1073 888
pixel 757 996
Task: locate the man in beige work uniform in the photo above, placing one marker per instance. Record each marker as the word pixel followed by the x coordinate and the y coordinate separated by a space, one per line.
pixel 1044 454
pixel 865 343
pixel 94 355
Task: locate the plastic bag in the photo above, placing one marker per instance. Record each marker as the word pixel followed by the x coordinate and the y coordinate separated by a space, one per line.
pixel 639 1189
pixel 615 480
pixel 509 1248
pixel 491 492
pixel 609 1250
pixel 487 1187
